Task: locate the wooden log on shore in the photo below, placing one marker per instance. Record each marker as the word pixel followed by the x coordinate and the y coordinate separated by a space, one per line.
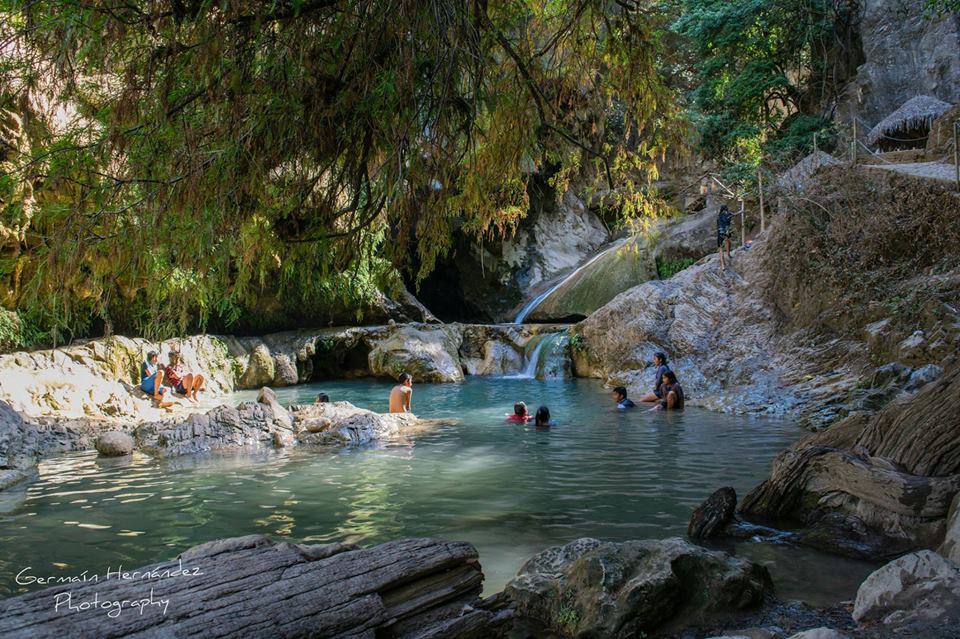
pixel 256 587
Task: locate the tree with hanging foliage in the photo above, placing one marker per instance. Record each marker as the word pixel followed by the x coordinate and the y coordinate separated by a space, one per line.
pixel 305 146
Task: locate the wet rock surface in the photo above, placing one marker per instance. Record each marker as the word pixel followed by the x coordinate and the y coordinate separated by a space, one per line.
pixel 713 515
pixel 19 447
pixel 597 589
pixel 343 424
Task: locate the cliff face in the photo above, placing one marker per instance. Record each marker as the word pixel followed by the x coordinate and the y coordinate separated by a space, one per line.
pixel 907 52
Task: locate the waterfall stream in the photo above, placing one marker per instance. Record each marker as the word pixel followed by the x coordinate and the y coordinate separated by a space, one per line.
pixel 535 302
pixel 548 359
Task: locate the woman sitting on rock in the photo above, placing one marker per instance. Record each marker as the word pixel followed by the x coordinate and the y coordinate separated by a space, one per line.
pixel 151 381
pixel 184 383
pixel 660 361
pixel 672 393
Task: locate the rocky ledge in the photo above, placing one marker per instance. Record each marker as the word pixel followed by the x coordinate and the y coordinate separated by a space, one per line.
pixel 873 486
pixel 261 423
pixel 255 587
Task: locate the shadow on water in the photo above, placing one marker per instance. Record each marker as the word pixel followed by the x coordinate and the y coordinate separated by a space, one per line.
pixel 509 489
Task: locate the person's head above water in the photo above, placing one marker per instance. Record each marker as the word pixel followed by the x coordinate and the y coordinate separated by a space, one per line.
pixel 619 393
pixel 406 379
pixel 322 398
pixel 659 358
pixel 520 409
pixel 542 417
pixel 670 378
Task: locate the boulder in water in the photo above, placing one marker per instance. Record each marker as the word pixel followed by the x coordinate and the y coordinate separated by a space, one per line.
pixel 713 514
pixel 114 443
pixel 248 424
pixel 872 486
pixel 19 447
pixel 429 353
pixel 589 588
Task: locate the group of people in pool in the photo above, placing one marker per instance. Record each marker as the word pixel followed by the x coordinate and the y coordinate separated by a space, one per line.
pixel 667 394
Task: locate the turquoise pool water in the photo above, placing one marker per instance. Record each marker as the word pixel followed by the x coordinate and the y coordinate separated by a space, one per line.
pixel 510 490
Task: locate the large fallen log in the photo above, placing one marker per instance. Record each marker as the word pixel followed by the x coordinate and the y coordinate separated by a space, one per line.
pixel 255 587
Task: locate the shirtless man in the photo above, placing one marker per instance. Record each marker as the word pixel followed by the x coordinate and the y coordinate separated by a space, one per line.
pixel 401 393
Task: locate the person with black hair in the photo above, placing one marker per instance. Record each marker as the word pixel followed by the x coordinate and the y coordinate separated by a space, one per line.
pixel 322 398
pixel 673 398
pixel 660 362
pixel 542 418
pixel 151 381
pixel 401 394
pixel 620 396
pixel 724 218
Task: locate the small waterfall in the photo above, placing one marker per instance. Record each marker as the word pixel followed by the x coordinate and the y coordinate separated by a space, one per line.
pixel 535 302
pixel 548 359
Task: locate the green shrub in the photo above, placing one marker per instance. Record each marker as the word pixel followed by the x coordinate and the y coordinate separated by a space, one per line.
pixel 668 268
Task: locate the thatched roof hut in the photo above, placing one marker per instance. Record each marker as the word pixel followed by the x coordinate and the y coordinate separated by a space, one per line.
pixel 908 126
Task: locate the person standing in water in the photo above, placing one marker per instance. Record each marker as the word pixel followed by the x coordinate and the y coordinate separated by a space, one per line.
pixel 620 396
pixel 401 394
pixel 661 367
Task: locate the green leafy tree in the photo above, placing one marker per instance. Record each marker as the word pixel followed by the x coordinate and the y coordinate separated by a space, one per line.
pixel 306 146
pixel 765 71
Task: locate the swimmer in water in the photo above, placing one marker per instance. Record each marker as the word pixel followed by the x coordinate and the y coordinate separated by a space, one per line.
pixel 401 394
pixel 542 418
pixel 620 396
pixel 520 413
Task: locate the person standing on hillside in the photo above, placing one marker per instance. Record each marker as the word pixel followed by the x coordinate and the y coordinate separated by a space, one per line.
pixel 724 218
pixel 401 394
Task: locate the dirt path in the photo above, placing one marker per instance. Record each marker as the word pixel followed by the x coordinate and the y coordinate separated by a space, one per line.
pixel 932 170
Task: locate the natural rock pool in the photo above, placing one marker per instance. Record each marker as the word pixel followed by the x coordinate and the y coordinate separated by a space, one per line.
pixel 510 490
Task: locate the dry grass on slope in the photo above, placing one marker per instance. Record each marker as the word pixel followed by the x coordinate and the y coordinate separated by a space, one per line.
pixel 861 246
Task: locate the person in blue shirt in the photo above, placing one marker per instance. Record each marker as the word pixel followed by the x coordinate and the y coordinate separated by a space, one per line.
pixel 660 369
pixel 620 396
pixel 151 381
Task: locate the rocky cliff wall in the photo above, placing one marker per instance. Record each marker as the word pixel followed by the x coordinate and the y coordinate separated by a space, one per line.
pixel 907 52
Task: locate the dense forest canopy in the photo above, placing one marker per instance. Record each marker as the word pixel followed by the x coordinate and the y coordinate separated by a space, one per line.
pixel 309 144
pixel 168 163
